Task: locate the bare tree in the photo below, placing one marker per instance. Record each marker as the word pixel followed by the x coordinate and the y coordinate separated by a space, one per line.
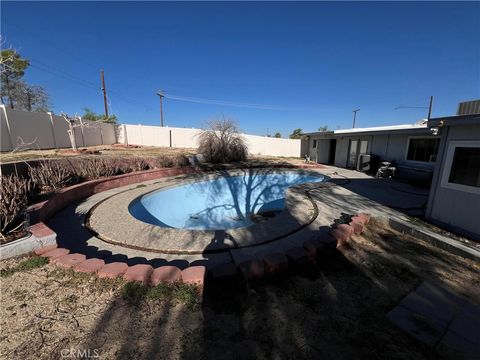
pixel 222 142
pixel 75 122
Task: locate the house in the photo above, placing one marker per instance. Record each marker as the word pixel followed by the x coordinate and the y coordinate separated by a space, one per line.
pixel 412 147
pixel 454 198
pixel 444 151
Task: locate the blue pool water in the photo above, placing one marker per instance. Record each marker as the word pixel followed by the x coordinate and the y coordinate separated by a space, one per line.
pixel 221 203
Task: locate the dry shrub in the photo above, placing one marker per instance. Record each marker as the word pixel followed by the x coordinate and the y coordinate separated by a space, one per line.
pixel 137 164
pixel 49 176
pixel 168 161
pixel 222 143
pixel 14 194
pixel 95 168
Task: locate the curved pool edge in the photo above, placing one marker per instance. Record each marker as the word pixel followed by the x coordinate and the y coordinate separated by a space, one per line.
pixel 124 230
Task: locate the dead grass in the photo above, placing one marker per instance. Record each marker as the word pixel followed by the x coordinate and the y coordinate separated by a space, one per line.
pixel 335 310
pixel 105 150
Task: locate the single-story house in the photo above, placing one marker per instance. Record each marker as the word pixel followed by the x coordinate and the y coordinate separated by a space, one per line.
pixel 444 150
pixel 454 198
pixel 413 148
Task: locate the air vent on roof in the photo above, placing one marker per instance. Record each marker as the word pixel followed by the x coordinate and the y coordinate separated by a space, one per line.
pixel 469 107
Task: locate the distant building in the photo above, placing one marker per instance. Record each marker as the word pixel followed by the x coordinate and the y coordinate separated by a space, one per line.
pixel 412 147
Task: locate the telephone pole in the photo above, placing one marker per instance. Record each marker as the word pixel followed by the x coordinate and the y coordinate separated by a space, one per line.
pixel 430 108
pixel 104 90
pixel 355 116
pixel 160 93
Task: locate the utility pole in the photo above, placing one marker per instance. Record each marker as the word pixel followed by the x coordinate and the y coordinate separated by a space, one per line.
pixel 355 116
pixel 104 90
pixel 160 93
pixel 430 108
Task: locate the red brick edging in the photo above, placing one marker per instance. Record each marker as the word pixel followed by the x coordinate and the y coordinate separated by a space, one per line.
pixel 252 269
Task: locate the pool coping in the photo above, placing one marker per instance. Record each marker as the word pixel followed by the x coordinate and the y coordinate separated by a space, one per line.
pixel 110 220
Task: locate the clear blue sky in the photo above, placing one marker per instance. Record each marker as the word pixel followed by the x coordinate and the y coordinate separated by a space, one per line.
pixel 311 64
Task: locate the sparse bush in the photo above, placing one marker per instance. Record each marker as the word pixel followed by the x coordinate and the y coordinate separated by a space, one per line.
pixel 52 175
pixel 168 161
pixel 94 168
pixel 222 143
pixel 138 164
pixel 14 194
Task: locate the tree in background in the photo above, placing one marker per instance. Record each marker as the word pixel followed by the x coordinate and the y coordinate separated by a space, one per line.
pixel 323 128
pixel 296 134
pixel 92 116
pixel 277 135
pixel 12 67
pixel 31 97
pixel 15 92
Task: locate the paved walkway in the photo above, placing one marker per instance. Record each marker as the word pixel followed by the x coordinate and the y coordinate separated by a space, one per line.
pixel 440 319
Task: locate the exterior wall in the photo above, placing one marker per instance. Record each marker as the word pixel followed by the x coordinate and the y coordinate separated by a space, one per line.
pixel 341 152
pixel 320 154
pixel 45 131
pixel 188 138
pixel 455 208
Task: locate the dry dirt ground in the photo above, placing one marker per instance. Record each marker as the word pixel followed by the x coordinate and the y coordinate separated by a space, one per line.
pixel 109 150
pixel 335 310
pixel 104 150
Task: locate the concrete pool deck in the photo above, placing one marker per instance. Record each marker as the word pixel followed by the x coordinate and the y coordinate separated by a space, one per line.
pixel 331 201
pixel 112 221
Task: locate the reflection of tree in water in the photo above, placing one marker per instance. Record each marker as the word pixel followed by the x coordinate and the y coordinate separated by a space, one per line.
pixel 237 197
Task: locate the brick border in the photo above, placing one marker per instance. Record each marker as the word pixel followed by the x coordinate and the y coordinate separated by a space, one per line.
pixel 269 265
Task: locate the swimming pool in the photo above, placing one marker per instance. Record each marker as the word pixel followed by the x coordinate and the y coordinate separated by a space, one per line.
pixel 225 202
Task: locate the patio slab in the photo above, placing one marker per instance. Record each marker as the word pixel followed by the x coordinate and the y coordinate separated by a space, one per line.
pixel 440 319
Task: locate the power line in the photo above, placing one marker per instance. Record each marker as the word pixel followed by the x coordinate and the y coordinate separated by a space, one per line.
pixel 234 104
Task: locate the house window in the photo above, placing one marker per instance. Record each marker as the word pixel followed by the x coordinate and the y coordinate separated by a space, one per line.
pixel 423 149
pixel 465 169
pixel 314 144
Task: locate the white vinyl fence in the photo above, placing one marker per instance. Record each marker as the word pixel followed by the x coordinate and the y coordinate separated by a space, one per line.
pixel 48 131
pixel 188 138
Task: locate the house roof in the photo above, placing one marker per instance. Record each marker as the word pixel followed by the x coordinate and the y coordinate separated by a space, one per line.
pixel 390 128
pixel 456 120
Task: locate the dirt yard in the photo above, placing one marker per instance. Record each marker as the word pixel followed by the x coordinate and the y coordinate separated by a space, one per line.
pixel 109 150
pixel 335 310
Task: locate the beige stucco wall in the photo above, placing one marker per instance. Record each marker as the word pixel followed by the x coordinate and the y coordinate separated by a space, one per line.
pixel 45 131
pixel 188 138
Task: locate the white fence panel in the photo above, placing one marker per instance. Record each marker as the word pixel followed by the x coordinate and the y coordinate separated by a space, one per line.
pixel 60 131
pixel 30 127
pixel 185 138
pixel 48 132
pixel 108 134
pixel 5 135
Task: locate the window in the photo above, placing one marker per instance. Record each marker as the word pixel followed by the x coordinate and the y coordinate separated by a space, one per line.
pixel 423 149
pixel 314 144
pixel 465 169
pixel 462 166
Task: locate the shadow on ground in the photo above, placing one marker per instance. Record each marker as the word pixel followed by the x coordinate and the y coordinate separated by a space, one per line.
pixel 334 310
